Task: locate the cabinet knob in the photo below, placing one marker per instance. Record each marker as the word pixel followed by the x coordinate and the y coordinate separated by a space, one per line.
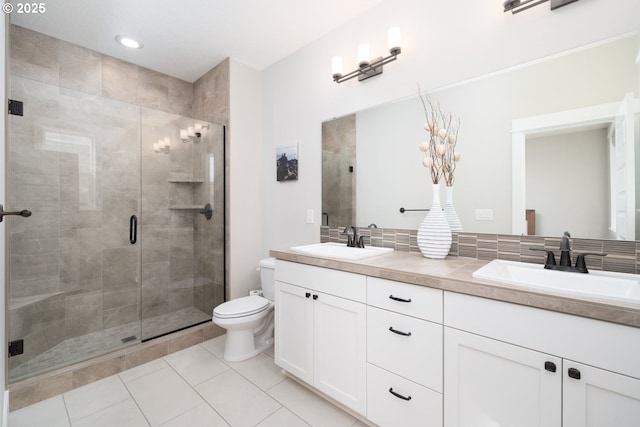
pixel 574 373
pixel 307 295
pixel 398 395
pixel 550 366
pixel 399 299
pixel 315 297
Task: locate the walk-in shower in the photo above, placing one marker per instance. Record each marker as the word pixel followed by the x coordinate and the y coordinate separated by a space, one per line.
pixel 126 238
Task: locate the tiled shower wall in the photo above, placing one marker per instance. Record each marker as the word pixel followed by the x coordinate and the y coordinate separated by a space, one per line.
pixel 622 256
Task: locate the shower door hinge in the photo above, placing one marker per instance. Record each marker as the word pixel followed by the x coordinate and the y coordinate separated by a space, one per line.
pixel 16 347
pixel 16 107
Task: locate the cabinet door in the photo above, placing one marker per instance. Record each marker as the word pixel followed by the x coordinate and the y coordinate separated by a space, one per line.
pixel 491 383
pixel 594 397
pixel 294 330
pixel 340 350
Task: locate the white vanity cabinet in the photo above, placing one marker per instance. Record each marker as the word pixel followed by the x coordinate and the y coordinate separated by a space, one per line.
pixel 404 354
pixel 506 364
pixel 320 330
pixel 599 397
pixel 489 382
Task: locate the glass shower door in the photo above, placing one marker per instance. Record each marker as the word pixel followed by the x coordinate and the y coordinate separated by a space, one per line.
pixel 182 222
pixel 73 272
pixel 126 238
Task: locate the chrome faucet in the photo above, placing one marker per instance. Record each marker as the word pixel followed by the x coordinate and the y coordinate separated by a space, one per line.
pixel 565 257
pixel 353 241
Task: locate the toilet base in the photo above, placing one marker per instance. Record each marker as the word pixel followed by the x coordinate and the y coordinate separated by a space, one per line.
pixel 243 345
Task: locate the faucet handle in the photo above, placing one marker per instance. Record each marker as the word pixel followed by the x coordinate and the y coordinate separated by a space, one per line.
pixel 551 258
pixel 581 265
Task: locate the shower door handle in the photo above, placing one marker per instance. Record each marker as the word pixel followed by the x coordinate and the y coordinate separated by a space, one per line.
pixel 25 213
pixel 133 229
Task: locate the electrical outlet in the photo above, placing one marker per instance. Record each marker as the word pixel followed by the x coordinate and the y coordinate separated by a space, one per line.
pixel 309 216
pixel 484 214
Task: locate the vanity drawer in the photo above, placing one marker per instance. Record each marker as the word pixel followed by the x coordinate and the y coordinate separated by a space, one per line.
pixel 339 283
pixel 417 356
pixel 413 300
pixel 424 408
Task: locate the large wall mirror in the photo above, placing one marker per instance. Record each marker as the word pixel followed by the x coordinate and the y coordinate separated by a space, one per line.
pixel 372 166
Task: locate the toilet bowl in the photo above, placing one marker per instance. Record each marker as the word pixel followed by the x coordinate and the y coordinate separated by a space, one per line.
pixel 249 320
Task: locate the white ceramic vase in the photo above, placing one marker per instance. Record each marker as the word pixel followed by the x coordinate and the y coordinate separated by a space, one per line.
pixel 450 211
pixel 434 233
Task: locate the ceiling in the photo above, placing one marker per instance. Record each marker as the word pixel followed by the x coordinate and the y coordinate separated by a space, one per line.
pixel 187 38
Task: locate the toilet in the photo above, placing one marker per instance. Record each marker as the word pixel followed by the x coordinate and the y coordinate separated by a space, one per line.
pixel 249 320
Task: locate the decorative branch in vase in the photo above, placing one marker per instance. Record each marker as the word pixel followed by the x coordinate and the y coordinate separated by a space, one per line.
pixel 440 157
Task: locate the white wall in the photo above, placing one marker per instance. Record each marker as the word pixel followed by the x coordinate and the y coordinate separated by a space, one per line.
pixel 245 164
pixel 443 42
pixel 3 367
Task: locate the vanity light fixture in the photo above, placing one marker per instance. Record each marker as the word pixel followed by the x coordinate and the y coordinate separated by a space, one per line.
pixel 129 42
pixel 515 6
pixel 368 68
pixel 193 133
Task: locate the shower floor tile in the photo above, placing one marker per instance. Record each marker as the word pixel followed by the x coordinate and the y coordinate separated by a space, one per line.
pixel 84 347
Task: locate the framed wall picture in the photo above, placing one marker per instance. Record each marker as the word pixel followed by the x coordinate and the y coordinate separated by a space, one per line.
pixel 287 162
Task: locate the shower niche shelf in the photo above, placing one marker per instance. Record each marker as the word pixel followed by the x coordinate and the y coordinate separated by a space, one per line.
pixel 206 210
pixel 184 178
pixel 185 207
pixel 186 181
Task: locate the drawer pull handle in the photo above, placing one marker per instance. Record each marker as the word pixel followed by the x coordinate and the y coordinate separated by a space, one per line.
pixel 399 299
pixel 398 395
pixel 395 331
pixel 550 366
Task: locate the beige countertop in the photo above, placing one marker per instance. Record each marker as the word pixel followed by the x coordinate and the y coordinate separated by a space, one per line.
pixel 455 274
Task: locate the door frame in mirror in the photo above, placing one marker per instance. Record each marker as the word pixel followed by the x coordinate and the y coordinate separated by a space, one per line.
pixel 547 123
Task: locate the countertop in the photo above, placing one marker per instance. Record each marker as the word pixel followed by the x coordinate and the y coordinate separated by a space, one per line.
pixel 455 274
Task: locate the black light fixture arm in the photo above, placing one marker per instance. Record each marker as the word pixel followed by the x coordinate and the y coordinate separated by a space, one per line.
pixel 516 6
pixel 370 69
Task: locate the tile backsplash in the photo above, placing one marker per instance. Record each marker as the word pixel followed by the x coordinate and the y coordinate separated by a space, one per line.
pixel 622 256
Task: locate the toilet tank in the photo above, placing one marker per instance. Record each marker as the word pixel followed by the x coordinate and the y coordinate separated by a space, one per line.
pixel 267 279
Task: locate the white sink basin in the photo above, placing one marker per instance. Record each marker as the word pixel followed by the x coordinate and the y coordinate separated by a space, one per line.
pixel 599 284
pixel 341 251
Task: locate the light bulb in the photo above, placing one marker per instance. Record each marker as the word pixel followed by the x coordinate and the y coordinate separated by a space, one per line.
pixel 363 55
pixel 394 40
pixel 128 42
pixel 336 66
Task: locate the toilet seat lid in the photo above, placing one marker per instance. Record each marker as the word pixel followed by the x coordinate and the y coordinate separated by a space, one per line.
pixel 240 307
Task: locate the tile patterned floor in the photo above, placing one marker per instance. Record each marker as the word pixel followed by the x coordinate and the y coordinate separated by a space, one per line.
pixel 80 348
pixel 191 388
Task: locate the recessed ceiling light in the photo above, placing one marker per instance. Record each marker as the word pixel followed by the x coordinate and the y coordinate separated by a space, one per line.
pixel 127 41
